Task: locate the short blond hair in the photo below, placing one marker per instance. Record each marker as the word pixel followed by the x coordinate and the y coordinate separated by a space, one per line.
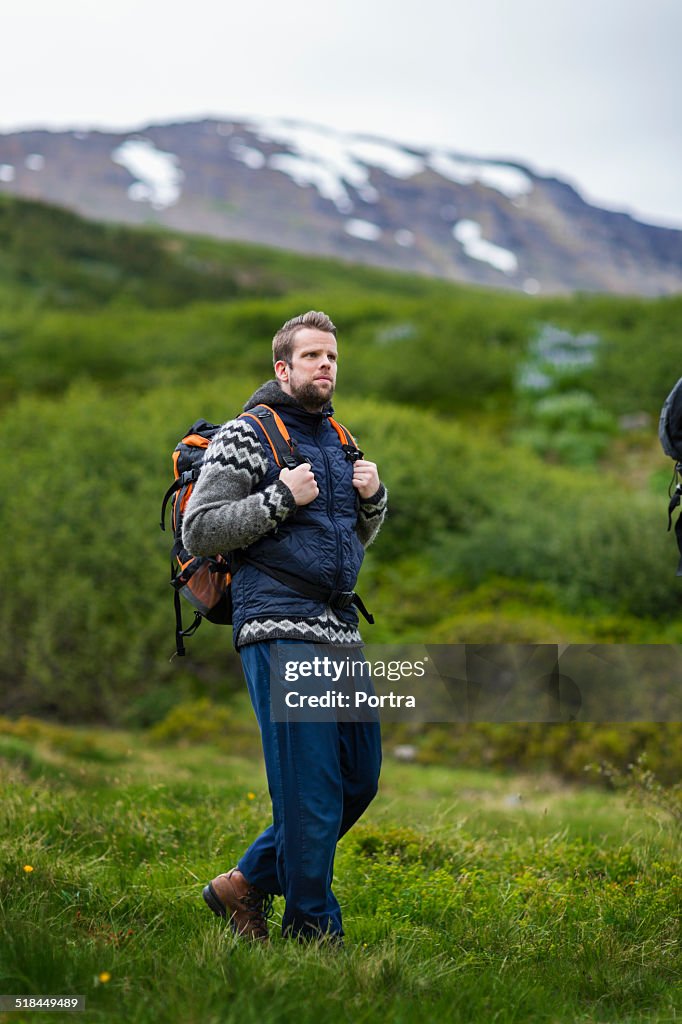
pixel 283 341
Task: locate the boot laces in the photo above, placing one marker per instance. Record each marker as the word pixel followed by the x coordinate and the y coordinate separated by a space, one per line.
pixel 258 904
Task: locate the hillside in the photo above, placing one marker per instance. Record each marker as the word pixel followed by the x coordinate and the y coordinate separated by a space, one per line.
pixel 516 435
pixel 371 201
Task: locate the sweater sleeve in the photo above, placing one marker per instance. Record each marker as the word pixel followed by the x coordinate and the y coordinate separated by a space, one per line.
pixel 223 513
pixel 371 515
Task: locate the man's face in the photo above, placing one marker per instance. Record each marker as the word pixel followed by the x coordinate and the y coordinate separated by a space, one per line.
pixel 310 378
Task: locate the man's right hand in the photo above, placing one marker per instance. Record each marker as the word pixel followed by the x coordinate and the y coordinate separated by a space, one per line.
pixel 301 483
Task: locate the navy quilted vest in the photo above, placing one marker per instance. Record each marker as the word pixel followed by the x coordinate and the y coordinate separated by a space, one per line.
pixel 318 542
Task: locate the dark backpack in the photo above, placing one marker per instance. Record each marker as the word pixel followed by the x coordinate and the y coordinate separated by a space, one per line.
pixel 670 435
pixel 205 581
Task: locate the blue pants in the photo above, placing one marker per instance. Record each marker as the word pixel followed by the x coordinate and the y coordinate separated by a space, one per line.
pixel 321 777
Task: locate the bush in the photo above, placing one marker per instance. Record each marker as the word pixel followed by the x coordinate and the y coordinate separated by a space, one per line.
pixel 88 620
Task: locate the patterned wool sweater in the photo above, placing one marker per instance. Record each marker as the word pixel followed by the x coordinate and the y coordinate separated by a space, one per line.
pixel 227 511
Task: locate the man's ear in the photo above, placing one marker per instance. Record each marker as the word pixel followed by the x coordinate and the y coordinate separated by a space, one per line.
pixel 282 370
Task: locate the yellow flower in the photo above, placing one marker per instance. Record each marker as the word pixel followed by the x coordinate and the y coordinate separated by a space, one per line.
pixel 104 977
pixel 251 796
pixel 28 869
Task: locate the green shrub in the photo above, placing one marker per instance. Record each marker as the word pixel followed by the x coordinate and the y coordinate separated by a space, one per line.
pixel 195 721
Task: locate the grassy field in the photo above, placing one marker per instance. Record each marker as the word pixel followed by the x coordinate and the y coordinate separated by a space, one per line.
pixel 519 514
pixel 467 896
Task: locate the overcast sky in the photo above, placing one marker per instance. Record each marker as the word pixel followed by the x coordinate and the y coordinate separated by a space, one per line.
pixel 587 89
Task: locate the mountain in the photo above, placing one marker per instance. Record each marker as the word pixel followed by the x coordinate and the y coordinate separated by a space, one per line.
pixel 367 200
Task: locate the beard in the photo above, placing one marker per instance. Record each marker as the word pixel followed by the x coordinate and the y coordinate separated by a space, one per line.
pixel 310 396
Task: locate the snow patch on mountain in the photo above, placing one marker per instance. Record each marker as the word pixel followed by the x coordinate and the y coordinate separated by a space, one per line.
pixel 510 181
pixel 35 161
pixel 337 162
pixel 368 193
pixel 6 172
pixel 334 162
pixel 470 236
pixel 392 159
pixel 253 158
pixel 158 176
pixel 305 172
pixel 404 237
pixel 363 229
pixel 317 158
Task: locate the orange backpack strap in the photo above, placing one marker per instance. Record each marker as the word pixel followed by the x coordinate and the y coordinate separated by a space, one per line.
pixel 348 442
pixel 283 448
pixel 272 426
pixel 345 436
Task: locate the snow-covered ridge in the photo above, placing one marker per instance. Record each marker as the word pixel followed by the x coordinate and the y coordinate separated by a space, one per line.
pixel 385 202
pixel 510 181
pixel 338 165
pixel 334 162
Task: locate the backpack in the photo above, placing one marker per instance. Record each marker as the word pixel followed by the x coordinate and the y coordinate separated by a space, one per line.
pixel 205 581
pixel 670 435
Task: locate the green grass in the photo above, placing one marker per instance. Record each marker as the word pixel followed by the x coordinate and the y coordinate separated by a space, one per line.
pixel 467 896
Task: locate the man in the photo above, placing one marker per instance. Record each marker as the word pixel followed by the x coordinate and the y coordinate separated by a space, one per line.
pixel 313 522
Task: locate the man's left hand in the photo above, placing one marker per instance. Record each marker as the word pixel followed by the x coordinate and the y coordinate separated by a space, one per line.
pixel 366 478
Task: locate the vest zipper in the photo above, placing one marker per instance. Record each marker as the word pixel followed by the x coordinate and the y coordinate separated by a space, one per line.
pixel 330 512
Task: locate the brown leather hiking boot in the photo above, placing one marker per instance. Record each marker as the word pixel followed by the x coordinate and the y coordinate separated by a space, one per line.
pixel 231 895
